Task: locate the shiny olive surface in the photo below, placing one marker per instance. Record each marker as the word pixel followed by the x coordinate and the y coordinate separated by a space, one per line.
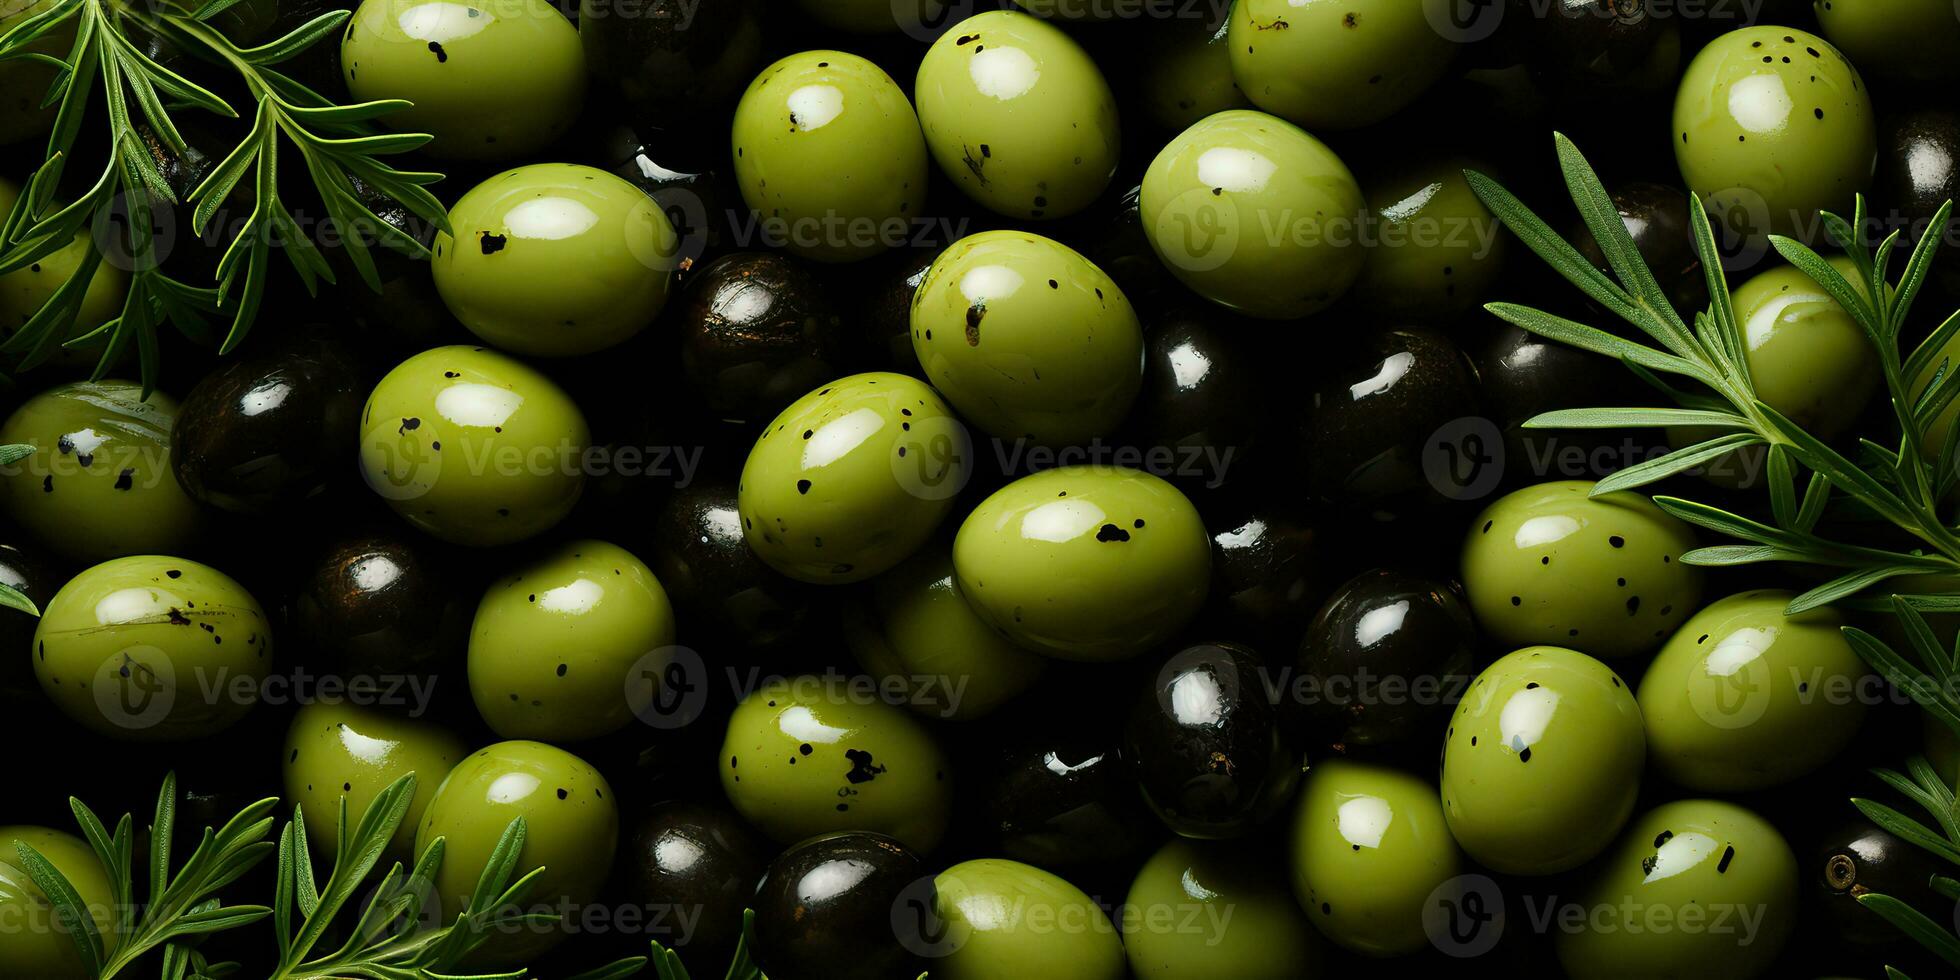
pixel 692 859
pixel 1918 170
pixel 350 753
pixel 266 431
pixel 691 184
pixel 1385 655
pixel 382 603
pixel 1862 858
pixel 1335 64
pixel 1207 745
pixel 826 908
pixel 1004 920
pixel 757 331
pixel 1918 42
pixel 674 63
pixel 1207 909
pixel 1370 847
pixel 1064 798
pixel 28 571
pixel 35 946
pixel 1198 364
pixel 1522 375
pixel 1268 571
pixel 1656 216
pixel 1437 250
pixel 718 584
pixel 1369 438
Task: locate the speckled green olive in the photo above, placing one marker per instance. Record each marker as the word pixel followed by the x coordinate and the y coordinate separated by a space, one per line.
pixel 1695 888
pixel 1770 125
pixel 912 628
pixel 1553 727
pixel 571 831
pixel 1188 74
pixel 150 648
pixel 1369 844
pixel 814 754
pixel 99 484
pixel 1255 215
pixel 1335 64
pixel 1028 339
pixel 852 478
pixel 24 291
pixel 1201 909
pixel 1004 920
pixel 570 646
pixel 1018 115
pixel 473 446
pixel 1435 249
pixel 34 946
pixel 1550 564
pixel 1807 358
pixel 1744 697
pixel 555 259
pixel 1085 562
pixel 348 752
pixel 829 157
pixel 1911 39
pixel 490 79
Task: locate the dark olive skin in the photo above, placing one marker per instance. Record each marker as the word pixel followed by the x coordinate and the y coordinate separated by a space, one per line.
pixel 1862 857
pixel 1377 412
pixel 1207 746
pixel 27 571
pixel 825 908
pixel 713 578
pixel 1118 246
pixel 382 604
pixel 1197 370
pixel 1267 573
pixel 674 62
pixel 267 430
pixel 1658 219
pixel 685 858
pixel 1386 654
pixel 758 331
pixel 1060 799
pixel 696 197
pixel 1525 375
pixel 1918 170
pixel 1595 44
pixel 883 303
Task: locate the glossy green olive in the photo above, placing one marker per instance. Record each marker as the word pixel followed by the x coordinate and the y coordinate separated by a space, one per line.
pixel 99 484
pixel 1089 563
pixel 555 259
pixel 571 645
pixel 1255 215
pixel 818 753
pixel 1435 250
pixel 829 157
pixel 1807 357
pixel 1911 39
pixel 1335 64
pixel 1004 920
pixel 1202 909
pixel 912 628
pixel 1770 125
pixel 473 446
pixel 1550 564
pixel 490 79
pixel 1188 75
pixel 150 648
pixel 1695 888
pixel 1553 727
pixel 1369 844
pixel 1028 339
pixel 34 946
pixel 24 291
pixel 852 478
pixel 1744 697
pixel 338 752
pixel 571 831
pixel 1018 115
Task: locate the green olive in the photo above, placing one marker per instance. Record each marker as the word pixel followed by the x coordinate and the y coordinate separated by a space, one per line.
pixel 813 754
pixel 1085 562
pixel 1770 125
pixel 1189 74
pixel 1945 362
pixel 490 79
pixel 473 446
pixel 1335 64
pixel 24 291
pixel 1807 357
pixel 563 648
pixel 99 484
pixel 337 752
pixel 1436 248
pixel 1202 909
pixel 1369 845
pixel 34 946
pixel 150 648
pixel 23 83
pixel 851 478
pixel 555 260
pixel 1553 727
pixel 1910 39
pixel 1018 115
pixel 1744 697
pixel 829 156
pixel 1695 888
pixel 1004 919
pixel 1551 564
pixel 913 629
pixel 1255 215
pixel 1027 338
pixel 571 829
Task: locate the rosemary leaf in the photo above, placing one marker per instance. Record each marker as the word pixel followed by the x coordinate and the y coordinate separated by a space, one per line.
pixel 1599 341
pixel 1658 317
pixel 1606 418
pixel 1915 924
pixel 1678 461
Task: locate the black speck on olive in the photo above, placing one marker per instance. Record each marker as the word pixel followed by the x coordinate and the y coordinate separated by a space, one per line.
pixel 1207 745
pixel 1382 627
pixel 824 909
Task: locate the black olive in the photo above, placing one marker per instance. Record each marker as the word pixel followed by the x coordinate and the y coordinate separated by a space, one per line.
pixel 826 909
pixel 1658 219
pixel 715 580
pixel 1918 170
pixel 1198 366
pixel 1267 572
pixel 32 574
pixel 1065 798
pixel 1207 745
pixel 1525 375
pixel 757 332
pixel 383 604
pixel 1378 413
pixel 674 62
pixel 1385 654
pixel 1862 858
pixel 883 303
pixel 696 866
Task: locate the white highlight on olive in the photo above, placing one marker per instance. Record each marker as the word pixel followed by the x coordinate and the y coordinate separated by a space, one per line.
pixel 443 22
pixel 835 439
pixel 134 604
pixel 1195 889
pixel 549 219
pixel 1760 103
pixel 1252 531
pixel 1363 820
pixel 1738 650
pixel 1680 853
pixel 800 723
pixel 1393 368
pixel 990 282
pixel 574 598
pixel 1545 530
pixel 1235 168
pixel 1379 622
pixel 1004 73
pixel 264 398
pixel 366 748
pixel 1778 310
pixel 1062 521
pixel 480 405
pixel 376 572
pixel 1189 365
pixel 1407 207
pixel 1525 716
pixel 1197 698
pixel 511 787
pixel 811 106
pixel 85 441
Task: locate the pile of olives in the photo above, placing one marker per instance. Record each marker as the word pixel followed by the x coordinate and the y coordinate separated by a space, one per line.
pixel 998 491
